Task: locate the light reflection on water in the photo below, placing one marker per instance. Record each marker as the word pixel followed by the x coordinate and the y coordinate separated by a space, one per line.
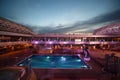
pixel 54 61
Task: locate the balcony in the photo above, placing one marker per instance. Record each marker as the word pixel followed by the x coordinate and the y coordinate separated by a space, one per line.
pixel 73 42
pixel 13 43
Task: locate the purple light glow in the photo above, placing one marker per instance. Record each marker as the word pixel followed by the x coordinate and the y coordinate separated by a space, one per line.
pixel 87 59
pixel 63 59
pixel 65 42
pixel 78 55
pixel 36 42
pixel 50 42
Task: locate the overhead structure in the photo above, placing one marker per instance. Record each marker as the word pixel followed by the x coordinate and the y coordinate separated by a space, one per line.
pixel 111 29
pixel 8 27
pixel 12 33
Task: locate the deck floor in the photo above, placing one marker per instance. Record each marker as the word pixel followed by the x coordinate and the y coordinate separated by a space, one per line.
pixel 96 73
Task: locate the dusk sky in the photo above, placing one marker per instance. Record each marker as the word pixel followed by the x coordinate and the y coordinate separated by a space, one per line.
pixel 61 16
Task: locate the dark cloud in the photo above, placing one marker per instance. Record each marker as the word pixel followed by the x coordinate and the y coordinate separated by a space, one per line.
pixel 116 4
pixel 88 26
pixel 113 16
pixel 101 19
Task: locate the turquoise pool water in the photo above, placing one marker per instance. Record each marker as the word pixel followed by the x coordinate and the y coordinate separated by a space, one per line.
pixel 54 61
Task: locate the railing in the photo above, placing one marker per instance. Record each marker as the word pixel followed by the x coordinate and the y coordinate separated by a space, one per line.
pixel 58 42
pixel 74 42
pixel 14 34
pixel 13 43
pixel 75 35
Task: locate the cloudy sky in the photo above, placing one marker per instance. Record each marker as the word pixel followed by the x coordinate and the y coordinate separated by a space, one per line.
pixel 61 16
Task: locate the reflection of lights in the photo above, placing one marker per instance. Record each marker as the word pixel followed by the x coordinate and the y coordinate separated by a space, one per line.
pixel 63 58
pixel 29 59
pixel 36 42
pixel 21 65
pixel 84 66
pixel 87 59
pixel 52 63
pixel 78 55
pixel 48 57
pixel 78 60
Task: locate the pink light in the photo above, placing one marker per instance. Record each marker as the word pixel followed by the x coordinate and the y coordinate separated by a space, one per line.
pixel 87 59
pixel 78 55
pixel 64 42
pixel 50 42
pixel 36 42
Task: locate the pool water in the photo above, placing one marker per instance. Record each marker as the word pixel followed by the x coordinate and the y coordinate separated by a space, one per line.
pixel 54 61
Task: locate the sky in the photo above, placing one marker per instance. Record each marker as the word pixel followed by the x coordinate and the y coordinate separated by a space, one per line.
pixel 61 16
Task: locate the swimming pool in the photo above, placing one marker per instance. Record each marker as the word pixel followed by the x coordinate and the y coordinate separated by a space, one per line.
pixel 55 61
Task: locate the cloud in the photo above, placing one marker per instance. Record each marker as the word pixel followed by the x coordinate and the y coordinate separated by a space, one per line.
pixel 116 4
pixel 90 25
pixel 41 29
pixel 113 16
pixel 84 26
